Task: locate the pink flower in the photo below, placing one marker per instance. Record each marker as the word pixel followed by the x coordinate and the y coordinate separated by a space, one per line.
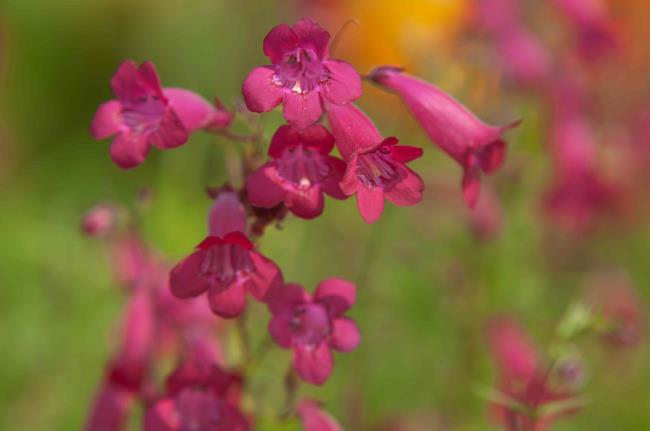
pixel 314 418
pixel 476 146
pixel 301 76
pixel 99 220
pixel 376 167
pixel 144 115
pixel 300 171
pixel 130 366
pixel 110 409
pixel 521 379
pixel 198 399
pixel 578 194
pixel 595 30
pixel 225 264
pixel 523 55
pixel 312 325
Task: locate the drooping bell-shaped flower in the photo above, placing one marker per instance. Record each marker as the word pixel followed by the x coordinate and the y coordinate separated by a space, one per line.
pixel 475 145
pixel 313 325
pixel 144 114
pixel 225 264
pixel 299 171
pixel 314 418
pixel 197 398
pixel 301 75
pixel 376 167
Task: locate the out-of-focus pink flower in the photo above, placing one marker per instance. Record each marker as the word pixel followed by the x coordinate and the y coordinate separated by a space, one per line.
pixel 476 146
pixel 524 57
pixel 521 379
pixel 302 75
pixel 613 297
pixel 197 398
pixel 578 194
pixel 594 27
pixel 225 264
pixel 300 170
pixel 312 325
pixel 314 418
pixel 99 220
pixel 111 408
pixel 514 354
pixel 144 115
pixel 376 167
pixel 486 218
pixel 130 366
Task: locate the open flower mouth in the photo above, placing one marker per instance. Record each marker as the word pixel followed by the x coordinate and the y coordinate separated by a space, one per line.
pixel 377 169
pixel 310 325
pixel 302 167
pixel 224 262
pixel 301 71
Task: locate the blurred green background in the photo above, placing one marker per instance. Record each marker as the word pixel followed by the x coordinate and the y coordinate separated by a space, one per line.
pixel 426 285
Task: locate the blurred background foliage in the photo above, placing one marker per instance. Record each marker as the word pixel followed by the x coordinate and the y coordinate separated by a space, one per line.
pixel 426 285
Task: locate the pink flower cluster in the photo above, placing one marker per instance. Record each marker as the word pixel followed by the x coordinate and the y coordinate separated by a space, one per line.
pixel 166 313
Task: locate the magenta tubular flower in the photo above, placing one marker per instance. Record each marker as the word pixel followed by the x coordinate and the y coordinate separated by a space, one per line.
pixel 225 264
pixel 314 418
pixel 312 325
pixel 144 115
pixel 302 75
pixel 476 146
pixel 197 398
pixel 595 30
pixel 111 408
pixel 521 379
pixel 376 167
pixel 300 170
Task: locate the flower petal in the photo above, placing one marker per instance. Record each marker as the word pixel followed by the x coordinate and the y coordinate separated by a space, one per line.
pixel 302 109
pixel 283 298
pixel 344 84
pixel 228 302
pixel 110 409
pixel 260 93
pixel 315 418
pixel 107 121
pixel 345 335
pixel 266 276
pixel 261 190
pixel 471 186
pixel 370 202
pixel 280 329
pixel 278 41
pixel 193 110
pixel 313 363
pixel 171 132
pixel 407 191
pixel 336 294
pixel 491 156
pixel 162 416
pixel 405 153
pixel 312 35
pixel 129 149
pixel 331 185
pixel 315 136
pixel 186 279
pixel 304 203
